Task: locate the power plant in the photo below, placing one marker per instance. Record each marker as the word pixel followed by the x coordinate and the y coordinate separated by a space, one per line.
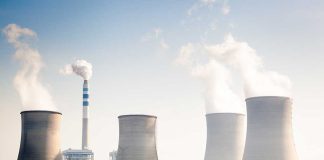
pixel 40 135
pixel 137 138
pixel 225 136
pixel 269 129
pixel 85 153
pixel 266 134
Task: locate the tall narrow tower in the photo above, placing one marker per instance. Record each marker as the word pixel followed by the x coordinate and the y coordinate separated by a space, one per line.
pixel 269 129
pixel 85 131
pixel 85 153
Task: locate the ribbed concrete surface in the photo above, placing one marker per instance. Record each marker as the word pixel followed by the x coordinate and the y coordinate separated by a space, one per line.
pixel 40 136
pixel 137 138
pixel 225 136
pixel 269 129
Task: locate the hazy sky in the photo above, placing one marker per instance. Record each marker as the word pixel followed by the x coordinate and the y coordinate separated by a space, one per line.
pixel 133 46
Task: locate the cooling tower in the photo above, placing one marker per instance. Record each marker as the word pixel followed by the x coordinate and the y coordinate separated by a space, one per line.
pixel 269 129
pixel 225 136
pixel 137 138
pixel 40 136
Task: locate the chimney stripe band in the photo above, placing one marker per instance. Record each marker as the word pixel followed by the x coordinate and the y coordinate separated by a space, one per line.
pixel 85 95
pixel 85 103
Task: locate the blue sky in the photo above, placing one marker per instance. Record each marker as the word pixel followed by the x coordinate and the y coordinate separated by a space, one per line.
pixel 133 73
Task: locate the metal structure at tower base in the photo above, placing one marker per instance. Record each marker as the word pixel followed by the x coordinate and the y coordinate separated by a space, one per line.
pixel 78 154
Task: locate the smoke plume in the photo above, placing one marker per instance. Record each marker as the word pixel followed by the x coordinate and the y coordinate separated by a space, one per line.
pixel 215 64
pixel 33 94
pixel 216 78
pixel 79 67
pixel 241 57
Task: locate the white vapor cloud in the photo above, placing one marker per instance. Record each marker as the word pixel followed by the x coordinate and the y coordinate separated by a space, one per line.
pixel 219 96
pixel 226 8
pixel 79 67
pixel 215 64
pixel 185 55
pixel 33 94
pixel 216 78
pixel 156 35
pixel 241 57
pixel 200 4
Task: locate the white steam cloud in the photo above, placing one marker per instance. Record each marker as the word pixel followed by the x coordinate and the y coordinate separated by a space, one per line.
pixel 241 57
pixel 79 67
pixel 219 96
pixel 156 36
pixel 214 65
pixel 202 4
pixel 226 8
pixel 33 94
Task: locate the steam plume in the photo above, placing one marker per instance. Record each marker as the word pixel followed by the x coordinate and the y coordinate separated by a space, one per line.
pixel 213 64
pixel 79 67
pixel 216 78
pixel 258 80
pixel 33 94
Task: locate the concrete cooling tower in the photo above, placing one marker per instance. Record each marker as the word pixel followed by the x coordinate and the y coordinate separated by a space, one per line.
pixel 137 138
pixel 40 136
pixel 269 129
pixel 225 136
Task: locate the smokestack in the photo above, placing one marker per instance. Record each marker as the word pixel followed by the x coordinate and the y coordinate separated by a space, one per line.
pixel 40 135
pixel 225 136
pixel 269 129
pixel 85 131
pixel 137 138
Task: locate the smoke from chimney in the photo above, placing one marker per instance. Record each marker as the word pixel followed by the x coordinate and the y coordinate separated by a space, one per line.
pixel 79 67
pixel 33 94
pixel 83 69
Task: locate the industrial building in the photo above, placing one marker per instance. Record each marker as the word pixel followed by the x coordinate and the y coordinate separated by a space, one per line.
pixel 225 136
pixel 137 138
pixel 85 153
pixel 40 135
pixel 269 129
pixel 264 134
pixel 113 155
pixel 73 154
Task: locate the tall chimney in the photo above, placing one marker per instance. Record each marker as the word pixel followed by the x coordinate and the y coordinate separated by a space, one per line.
pixel 85 120
pixel 40 135
pixel 269 129
pixel 137 138
pixel 225 136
